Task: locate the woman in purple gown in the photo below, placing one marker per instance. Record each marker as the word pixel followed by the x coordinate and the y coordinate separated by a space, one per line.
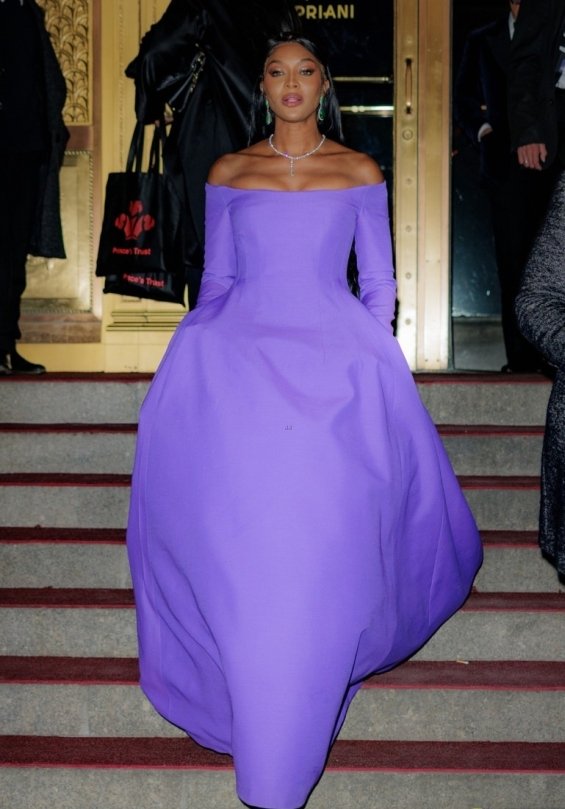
pixel 295 524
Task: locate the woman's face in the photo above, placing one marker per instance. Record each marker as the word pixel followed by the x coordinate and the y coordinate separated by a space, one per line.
pixel 293 81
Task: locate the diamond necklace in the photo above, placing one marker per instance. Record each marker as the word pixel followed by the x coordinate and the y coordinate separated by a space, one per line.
pixel 294 158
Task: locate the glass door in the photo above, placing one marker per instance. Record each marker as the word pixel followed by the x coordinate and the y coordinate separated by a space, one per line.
pixel 391 59
pixel 477 332
pixel 359 40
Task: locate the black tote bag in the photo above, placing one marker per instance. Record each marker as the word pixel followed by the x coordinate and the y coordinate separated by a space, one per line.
pixel 141 243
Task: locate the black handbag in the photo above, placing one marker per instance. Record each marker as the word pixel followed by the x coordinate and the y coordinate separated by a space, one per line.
pixel 177 88
pixel 141 249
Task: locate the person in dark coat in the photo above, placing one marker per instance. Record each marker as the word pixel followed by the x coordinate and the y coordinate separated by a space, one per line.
pixel 32 144
pixel 537 118
pixel 537 84
pixel 540 307
pixel 518 199
pixel 202 59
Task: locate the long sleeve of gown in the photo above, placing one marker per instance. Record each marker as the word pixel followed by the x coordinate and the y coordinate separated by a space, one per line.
pixel 540 305
pixel 373 248
pixel 219 250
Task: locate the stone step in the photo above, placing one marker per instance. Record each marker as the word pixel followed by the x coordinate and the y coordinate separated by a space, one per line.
pixel 493 450
pixel 101 500
pixel 503 399
pixel 149 773
pixel 487 398
pixel 67 448
pixel 503 503
pixel 489 702
pixel 59 500
pixel 82 398
pixel 64 565
pixel 508 567
pixel 109 448
pixel 518 570
pixel 525 675
pixel 415 738
pixel 101 623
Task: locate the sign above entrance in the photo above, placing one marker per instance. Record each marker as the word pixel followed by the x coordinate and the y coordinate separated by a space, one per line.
pixel 358 37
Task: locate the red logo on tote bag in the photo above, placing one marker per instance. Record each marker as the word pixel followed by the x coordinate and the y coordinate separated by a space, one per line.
pixel 136 222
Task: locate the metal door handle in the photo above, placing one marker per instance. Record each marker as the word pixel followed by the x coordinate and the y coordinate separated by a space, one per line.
pixel 408 86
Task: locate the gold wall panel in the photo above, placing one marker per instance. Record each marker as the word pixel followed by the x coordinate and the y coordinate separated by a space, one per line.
pixel 65 284
pixel 136 331
pixel 58 303
pixel 68 22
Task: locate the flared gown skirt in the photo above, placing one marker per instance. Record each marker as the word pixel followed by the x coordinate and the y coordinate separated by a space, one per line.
pixel 295 526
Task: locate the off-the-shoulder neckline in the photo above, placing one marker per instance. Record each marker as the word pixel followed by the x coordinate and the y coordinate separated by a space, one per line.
pixel 299 190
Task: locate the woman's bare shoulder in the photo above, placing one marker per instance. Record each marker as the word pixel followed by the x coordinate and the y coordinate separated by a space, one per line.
pixel 231 165
pixel 223 169
pixel 365 169
pixel 360 168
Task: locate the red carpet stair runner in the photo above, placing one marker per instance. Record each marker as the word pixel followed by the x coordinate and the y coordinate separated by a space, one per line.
pixel 475 721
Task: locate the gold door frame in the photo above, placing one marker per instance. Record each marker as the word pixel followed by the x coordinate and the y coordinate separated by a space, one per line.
pixel 133 334
pixel 422 181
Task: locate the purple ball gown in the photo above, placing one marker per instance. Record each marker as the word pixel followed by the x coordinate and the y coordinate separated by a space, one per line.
pixel 295 524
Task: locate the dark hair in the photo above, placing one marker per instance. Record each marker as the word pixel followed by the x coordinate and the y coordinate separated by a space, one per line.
pixel 330 126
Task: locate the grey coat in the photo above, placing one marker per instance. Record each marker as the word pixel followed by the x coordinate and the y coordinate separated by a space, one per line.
pixel 540 308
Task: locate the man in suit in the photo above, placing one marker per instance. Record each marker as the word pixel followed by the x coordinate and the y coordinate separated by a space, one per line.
pixel 32 144
pixel 518 199
pixel 537 84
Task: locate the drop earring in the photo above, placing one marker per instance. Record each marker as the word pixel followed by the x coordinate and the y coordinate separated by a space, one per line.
pixel 322 109
pixel 268 115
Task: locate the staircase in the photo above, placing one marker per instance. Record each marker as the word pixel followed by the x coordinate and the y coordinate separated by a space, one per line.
pixel 475 721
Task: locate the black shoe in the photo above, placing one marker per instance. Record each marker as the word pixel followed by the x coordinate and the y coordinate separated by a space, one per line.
pixel 540 368
pixel 520 369
pixel 5 368
pixel 16 364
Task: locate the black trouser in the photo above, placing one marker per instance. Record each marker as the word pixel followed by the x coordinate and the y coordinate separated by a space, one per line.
pixel 19 173
pixel 519 204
